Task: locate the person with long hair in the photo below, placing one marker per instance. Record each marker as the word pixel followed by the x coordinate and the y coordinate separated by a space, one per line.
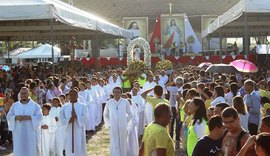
pixel 219 95
pixel 239 105
pixel 198 126
pixel 134 28
pixel 173 30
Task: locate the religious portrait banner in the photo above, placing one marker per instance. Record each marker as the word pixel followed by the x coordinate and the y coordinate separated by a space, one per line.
pixel 137 25
pixel 173 31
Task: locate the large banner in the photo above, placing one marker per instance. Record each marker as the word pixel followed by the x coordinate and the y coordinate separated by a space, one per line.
pixel 137 25
pixel 210 43
pixel 173 31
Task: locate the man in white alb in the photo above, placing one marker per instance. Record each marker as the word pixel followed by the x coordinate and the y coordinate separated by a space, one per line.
pixel 117 114
pixel 24 119
pixel 77 115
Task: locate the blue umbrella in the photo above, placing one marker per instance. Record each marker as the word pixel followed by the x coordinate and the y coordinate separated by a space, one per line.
pixel 5 68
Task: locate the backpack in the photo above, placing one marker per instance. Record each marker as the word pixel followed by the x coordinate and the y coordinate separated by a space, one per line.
pixel 238 143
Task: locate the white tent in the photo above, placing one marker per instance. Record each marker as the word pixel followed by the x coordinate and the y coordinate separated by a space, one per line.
pixel 43 51
pixel 31 20
pixel 232 23
pixel 14 53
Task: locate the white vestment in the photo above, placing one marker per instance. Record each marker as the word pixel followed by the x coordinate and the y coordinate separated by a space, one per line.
pixel 149 108
pixel 25 138
pixel 98 109
pixel 95 97
pixel 138 100
pixel 49 96
pixel 79 128
pixel 133 142
pixel 91 105
pixel 116 117
pixel 87 100
pixel 47 136
pixel 59 134
pixel 113 84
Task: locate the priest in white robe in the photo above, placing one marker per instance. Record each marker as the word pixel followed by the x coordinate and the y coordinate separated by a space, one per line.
pixel 132 141
pixel 24 119
pixel 74 113
pixel 87 100
pixel 139 102
pixel 95 88
pixel 117 114
pixel 114 81
pixel 149 84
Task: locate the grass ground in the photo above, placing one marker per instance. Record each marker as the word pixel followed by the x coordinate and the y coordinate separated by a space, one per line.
pixel 97 145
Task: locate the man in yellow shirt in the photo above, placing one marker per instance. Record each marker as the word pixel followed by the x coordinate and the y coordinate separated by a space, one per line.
pixel 158 92
pixel 156 140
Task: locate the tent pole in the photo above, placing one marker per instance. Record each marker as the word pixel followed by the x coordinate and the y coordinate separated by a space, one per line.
pixel 8 48
pixel 51 37
pixel 246 35
pixel 220 45
pixel 209 46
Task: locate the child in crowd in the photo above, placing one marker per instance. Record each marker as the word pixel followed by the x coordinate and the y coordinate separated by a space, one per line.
pixel 48 127
pixel 58 143
pixel 62 98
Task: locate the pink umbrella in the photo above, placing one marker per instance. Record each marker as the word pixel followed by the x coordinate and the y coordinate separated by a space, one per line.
pixel 204 64
pixel 244 66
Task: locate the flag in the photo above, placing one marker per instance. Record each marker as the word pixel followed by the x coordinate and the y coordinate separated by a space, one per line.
pixel 196 46
pixel 156 37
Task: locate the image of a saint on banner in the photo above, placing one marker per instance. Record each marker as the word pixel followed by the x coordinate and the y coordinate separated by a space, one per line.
pixel 173 36
pixel 137 25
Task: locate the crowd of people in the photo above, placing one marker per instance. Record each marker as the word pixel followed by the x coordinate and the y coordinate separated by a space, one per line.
pixel 209 114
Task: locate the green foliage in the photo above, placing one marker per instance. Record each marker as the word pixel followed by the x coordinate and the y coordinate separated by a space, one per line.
pixel 15 45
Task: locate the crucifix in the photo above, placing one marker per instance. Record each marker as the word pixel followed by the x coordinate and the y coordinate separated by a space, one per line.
pixel 170 5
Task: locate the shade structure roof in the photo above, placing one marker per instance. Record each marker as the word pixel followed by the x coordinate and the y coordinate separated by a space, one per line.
pixel 30 20
pixel 116 10
pixel 232 22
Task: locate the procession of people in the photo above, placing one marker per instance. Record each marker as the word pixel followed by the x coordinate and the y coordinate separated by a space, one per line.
pixel 188 109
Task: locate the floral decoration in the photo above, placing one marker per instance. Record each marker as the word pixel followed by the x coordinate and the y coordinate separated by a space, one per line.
pixel 147 53
pixel 134 70
pixel 164 65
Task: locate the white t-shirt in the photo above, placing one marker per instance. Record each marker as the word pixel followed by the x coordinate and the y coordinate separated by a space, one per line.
pixel 200 129
pixel 217 100
pixel 163 79
pixel 229 97
pixel 244 121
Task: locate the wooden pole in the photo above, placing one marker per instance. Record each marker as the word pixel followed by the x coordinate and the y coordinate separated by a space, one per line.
pixel 72 128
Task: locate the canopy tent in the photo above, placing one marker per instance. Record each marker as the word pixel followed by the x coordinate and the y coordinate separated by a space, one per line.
pixel 43 51
pixel 39 19
pixel 255 14
pixel 14 53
